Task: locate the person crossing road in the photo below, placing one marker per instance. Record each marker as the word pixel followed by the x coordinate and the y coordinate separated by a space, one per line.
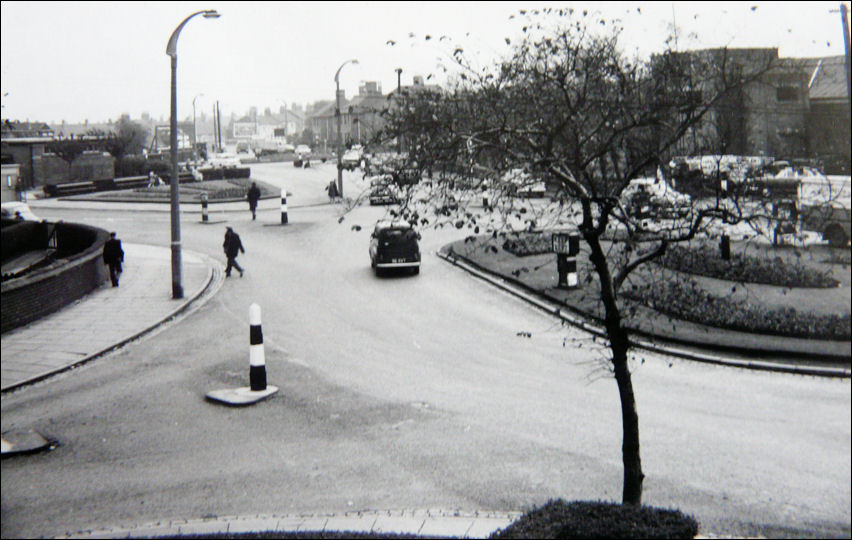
pixel 232 246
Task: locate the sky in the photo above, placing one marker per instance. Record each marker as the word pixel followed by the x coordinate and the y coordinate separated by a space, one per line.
pixel 94 61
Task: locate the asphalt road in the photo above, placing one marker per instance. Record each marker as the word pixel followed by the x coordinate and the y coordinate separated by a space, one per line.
pixel 402 392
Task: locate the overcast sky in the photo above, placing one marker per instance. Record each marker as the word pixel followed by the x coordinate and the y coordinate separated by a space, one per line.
pixel 95 61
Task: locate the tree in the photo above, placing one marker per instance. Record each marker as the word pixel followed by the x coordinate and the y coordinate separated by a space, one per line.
pixel 569 107
pixel 130 138
pixel 68 149
pixel 307 137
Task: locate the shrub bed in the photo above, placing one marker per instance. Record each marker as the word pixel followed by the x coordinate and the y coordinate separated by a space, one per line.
pixel 706 261
pixel 587 519
pixel 688 302
pixel 526 244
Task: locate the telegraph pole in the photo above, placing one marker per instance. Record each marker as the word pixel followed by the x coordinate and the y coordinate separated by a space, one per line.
pixel 844 15
pixel 398 97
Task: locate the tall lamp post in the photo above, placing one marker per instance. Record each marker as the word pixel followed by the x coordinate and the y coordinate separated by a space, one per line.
pixel 194 133
pixel 339 137
pixel 171 50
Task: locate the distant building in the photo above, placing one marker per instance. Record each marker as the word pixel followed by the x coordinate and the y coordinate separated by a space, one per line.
pixel 798 109
pixel 23 143
pixel 829 117
pixel 360 117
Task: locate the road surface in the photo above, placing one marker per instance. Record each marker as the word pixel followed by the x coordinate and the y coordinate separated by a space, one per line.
pixel 401 392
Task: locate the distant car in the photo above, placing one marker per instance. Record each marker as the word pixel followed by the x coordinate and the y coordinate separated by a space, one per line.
pixel 522 184
pixel 654 197
pixel 223 160
pixel 287 147
pixel 380 190
pixel 352 157
pixel 13 209
pixel 394 245
pixel 303 150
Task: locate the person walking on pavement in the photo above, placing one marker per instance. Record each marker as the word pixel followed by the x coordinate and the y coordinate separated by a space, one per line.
pixel 113 257
pixel 232 246
pixel 253 196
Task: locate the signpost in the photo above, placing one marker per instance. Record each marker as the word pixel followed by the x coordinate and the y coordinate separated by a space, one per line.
pixel 566 246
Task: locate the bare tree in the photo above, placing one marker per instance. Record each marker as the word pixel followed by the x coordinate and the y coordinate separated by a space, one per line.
pixel 568 107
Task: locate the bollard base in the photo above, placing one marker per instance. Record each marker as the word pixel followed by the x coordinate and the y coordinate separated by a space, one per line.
pixel 240 396
pixel 213 222
pixel 23 442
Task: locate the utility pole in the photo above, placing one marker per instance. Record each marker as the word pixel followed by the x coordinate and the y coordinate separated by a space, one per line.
pixel 399 96
pixel 844 15
pixel 219 126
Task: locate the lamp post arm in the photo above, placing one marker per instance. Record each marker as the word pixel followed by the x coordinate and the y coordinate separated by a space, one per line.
pixel 171 48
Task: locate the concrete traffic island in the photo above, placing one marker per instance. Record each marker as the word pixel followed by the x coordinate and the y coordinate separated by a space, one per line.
pixel 22 442
pixel 691 341
pixel 258 389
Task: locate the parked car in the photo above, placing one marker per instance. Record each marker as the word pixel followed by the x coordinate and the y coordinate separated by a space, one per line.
pixel 13 209
pixel 302 151
pixel 654 197
pixel 394 245
pixel 381 190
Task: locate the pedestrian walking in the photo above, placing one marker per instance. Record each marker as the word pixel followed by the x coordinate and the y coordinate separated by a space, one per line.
pixel 113 257
pixel 332 191
pixel 232 246
pixel 253 196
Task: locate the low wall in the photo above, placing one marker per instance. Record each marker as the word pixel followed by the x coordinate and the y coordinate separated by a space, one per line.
pixel 41 292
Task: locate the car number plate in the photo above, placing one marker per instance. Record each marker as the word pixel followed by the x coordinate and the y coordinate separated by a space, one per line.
pixel 399 260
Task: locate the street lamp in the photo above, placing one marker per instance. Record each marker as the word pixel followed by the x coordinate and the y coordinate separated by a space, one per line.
pixel 171 50
pixel 339 137
pixel 194 133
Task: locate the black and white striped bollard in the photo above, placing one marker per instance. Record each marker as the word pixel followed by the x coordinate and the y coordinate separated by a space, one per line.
pixel 257 389
pixel 257 359
pixel 283 206
pixel 204 217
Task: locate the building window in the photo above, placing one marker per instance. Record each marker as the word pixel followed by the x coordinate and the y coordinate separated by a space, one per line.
pixel 787 93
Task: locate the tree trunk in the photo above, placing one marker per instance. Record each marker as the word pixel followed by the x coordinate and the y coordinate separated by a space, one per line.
pixel 619 345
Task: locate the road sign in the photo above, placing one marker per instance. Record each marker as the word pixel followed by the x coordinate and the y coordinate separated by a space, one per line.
pixel 566 243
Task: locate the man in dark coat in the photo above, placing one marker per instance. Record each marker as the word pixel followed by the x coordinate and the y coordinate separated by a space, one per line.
pixel 113 257
pixel 253 196
pixel 232 246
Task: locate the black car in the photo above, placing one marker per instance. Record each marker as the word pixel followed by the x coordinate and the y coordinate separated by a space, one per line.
pixel 381 191
pixel 393 245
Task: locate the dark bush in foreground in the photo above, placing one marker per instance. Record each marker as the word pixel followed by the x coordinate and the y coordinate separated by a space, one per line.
pixel 298 535
pixel 586 519
pixel 705 260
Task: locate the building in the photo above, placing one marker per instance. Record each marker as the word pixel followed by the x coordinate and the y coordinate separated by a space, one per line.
pixel 360 117
pixel 796 109
pixel 829 114
pixel 23 143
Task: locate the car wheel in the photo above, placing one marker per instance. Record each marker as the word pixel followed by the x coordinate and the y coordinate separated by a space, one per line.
pixel 415 270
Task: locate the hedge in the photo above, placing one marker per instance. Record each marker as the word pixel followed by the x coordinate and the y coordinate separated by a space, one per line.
pixel 688 302
pixel 704 260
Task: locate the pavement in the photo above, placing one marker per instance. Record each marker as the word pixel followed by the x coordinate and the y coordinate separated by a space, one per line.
pixel 141 304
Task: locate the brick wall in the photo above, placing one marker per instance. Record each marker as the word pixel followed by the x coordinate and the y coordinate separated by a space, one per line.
pixel 49 169
pixel 40 293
